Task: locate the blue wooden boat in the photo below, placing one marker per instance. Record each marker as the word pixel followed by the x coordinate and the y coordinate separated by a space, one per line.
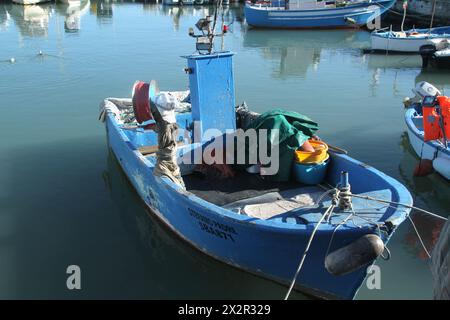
pixel 232 220
pixel 314 14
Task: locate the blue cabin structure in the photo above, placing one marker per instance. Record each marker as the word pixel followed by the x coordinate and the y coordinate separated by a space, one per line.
pixel 211 87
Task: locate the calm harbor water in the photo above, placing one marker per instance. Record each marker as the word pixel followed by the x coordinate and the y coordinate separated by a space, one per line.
pixel 64 199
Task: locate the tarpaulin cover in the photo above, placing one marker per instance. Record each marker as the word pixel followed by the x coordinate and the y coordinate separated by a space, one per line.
pixel 294 130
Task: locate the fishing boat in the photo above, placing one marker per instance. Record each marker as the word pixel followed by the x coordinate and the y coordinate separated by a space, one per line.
pixel 319 238
pixel 314 13
pixel 429 141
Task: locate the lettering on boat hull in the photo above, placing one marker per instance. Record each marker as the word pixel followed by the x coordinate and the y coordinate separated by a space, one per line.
pixel 215 228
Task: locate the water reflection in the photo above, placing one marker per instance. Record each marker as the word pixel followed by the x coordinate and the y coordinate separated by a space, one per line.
pixel 229 15
pixel 294 53
pixel 168 259
pixel 31 20
pixel 4 18
pixel 439 78
pixel 103 9
pixel 73 11
pixel 430 191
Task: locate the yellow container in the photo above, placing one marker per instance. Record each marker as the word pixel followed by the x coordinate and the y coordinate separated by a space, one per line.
pixel 319 155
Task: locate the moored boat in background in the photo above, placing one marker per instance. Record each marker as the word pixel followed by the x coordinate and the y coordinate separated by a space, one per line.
pixel 314 14
pixel 428 125
pixel 409 41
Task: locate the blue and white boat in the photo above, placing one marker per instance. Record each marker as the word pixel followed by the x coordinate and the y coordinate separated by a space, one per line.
pixel 434 150
pixel 246 221
pixel 409 41
pixel 315 13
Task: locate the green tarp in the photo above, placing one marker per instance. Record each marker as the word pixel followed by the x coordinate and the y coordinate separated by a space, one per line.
pixel 293 128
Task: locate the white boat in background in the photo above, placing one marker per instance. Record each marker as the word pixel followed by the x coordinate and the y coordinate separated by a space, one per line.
pixel 408 41
pixel 27 2
pixel 435 151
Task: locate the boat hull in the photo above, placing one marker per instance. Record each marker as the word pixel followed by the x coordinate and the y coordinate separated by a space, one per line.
pixel 347 17
pixel 408 45
pixel 430 150
pixel 257 246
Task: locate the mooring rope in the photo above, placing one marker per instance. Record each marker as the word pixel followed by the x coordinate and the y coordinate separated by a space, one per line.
pixel 326 213
pixel 410 219
pixel 420 238
pixel 400 204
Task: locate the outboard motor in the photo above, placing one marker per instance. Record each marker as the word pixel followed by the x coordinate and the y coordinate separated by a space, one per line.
pixel 427 51
pixel 424 89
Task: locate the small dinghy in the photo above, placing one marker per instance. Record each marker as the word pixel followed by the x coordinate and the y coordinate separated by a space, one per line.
pixel 314 13
pixel 409 41
pixel 428 121
pixel 245 218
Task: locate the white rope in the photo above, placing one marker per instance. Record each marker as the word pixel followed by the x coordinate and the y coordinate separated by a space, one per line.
pixel 400 204
pixel 409 217
pixel 327 212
